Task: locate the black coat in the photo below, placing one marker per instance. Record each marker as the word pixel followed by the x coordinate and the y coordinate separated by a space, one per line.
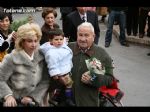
pixel 5 44
pixel 45 32
pixel 74 19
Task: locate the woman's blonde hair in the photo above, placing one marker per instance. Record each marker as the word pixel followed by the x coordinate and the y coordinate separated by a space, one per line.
pixel 27 31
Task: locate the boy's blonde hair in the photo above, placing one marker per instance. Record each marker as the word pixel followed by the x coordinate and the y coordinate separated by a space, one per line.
pixel 27 31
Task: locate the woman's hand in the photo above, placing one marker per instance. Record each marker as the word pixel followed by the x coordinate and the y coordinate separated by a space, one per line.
pixel 14 35
pixel 10 101
pixel 86 78
pixel 26 100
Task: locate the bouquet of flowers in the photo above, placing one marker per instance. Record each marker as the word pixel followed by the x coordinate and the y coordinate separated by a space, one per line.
pixel 16 24
pixel 94 65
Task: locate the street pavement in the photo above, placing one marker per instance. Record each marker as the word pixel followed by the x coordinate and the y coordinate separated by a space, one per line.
pixel 132 65
pixel 132 39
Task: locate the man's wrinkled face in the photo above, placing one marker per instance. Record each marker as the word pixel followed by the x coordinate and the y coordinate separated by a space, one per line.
pixel 85 37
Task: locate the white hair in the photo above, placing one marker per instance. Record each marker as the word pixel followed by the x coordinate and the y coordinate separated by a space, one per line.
pixel 86 24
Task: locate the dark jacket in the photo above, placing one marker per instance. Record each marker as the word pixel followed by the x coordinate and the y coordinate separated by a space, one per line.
pixel 45 33
pixel 74 19
pixel 86 95
pixel 67 10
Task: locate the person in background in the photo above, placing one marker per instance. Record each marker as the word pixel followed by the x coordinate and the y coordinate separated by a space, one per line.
pixel 116 12
pixel 59 61
pixel 23 74
pixel 49 15
pixel 132 21
pixel 7 37
pixel 64 12
pixel 143 18
pixel 103 11
pixel 86 84
pixel 76 18
pixel 103 19
pixel 91 8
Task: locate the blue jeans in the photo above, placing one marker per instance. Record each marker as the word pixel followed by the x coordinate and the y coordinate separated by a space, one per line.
pixel 121 17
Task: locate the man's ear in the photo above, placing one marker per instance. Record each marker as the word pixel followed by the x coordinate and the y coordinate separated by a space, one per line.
pixel 93 37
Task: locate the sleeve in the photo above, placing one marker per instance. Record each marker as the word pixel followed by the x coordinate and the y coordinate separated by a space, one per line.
pixel 52 61
pixel 107 78
pixel 44 48
pixel 102 80
pixel 5 45
pixel 6 70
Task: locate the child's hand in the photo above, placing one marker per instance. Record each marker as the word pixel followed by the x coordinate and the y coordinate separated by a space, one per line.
pixel 65 79
pixel 55 77
pixel 66 40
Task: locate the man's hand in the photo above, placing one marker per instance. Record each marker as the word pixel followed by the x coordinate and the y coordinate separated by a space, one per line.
pixel 26 100
pixel 86 78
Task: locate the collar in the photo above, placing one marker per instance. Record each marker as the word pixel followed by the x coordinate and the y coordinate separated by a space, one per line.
pixel 20 58
pixel 29 57
pixel 81 15
pixel 89 51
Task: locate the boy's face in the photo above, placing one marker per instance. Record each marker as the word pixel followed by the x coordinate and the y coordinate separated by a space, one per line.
pixel 57 41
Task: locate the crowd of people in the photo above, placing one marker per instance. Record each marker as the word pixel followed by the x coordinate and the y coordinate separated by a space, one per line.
pixel 36 61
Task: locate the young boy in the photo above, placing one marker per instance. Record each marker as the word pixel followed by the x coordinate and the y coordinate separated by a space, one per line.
pixel 59 60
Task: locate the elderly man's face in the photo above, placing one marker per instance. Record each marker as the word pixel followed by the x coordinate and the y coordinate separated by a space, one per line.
pixel 85 37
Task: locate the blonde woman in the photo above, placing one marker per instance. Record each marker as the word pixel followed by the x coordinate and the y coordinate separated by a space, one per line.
pixel 23 73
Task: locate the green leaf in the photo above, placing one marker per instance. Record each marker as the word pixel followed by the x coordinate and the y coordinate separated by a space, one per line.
pixel 16 24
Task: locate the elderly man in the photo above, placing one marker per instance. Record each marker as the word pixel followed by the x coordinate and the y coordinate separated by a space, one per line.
pixel 86 83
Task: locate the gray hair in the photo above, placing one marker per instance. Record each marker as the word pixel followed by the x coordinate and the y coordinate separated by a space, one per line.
pixel 86 24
